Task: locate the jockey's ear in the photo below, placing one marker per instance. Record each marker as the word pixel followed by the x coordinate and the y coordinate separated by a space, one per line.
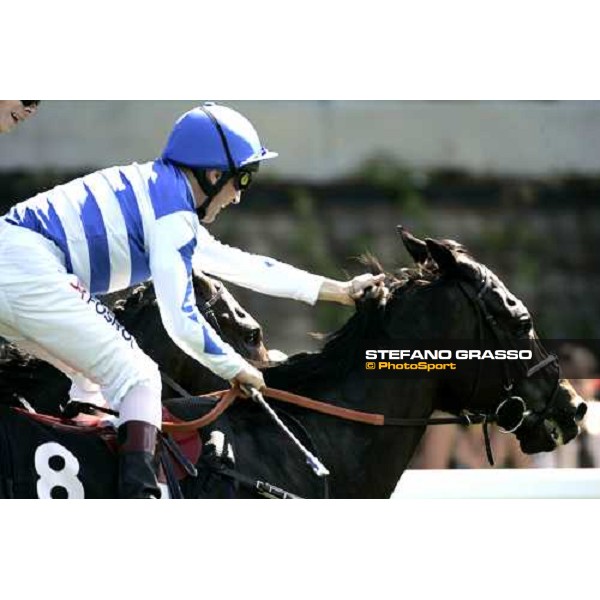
pixel 214 175
pixel 416 248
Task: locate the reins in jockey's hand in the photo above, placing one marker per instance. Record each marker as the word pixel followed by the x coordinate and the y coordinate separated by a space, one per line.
pixel 220 401
pixel 225 400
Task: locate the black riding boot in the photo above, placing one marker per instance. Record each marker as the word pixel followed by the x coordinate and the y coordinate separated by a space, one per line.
pixel 137 474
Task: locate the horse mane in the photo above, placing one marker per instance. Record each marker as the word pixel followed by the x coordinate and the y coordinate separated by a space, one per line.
pixel 335 359
pixel 427 272
pixel 341 348
pixel 338 355
pixel 138 297
pixel 18 370
pixel 11 355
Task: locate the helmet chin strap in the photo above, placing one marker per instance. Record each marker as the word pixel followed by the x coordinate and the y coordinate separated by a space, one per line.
pixel 212 189
pixel 209 189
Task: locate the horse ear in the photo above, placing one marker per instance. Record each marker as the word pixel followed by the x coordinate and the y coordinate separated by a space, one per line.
pixel 416 247
pixel 444 257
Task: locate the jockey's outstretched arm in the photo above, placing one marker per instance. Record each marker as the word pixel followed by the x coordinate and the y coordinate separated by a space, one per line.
pixel 259 273
pixel 273 277
pixel 172 243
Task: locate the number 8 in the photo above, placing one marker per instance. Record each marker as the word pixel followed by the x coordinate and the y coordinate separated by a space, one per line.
pixel 50 478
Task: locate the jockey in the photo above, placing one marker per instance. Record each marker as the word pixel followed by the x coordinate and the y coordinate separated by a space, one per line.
pixel 12 112
pixel 123 225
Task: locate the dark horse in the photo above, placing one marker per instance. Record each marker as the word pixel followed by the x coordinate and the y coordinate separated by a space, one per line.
pixel 47 389
pixel 447 296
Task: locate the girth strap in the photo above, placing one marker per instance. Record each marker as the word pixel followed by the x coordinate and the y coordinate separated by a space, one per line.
pixel 263 488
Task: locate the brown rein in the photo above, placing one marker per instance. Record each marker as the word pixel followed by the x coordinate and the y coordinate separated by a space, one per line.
pixel 227 397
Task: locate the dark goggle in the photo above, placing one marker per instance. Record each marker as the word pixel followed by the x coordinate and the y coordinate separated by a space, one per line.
pixel 242 180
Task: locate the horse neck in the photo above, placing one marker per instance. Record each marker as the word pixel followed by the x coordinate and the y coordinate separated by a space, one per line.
pixel 366 460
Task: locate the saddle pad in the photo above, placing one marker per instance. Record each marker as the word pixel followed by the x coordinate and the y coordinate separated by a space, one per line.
pixel 189 442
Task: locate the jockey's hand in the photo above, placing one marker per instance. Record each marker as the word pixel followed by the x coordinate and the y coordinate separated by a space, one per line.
pixel 249 376
pixel 360 284
pixel 346 292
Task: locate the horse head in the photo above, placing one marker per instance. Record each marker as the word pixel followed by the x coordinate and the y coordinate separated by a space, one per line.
pixel 140 315
pixel 528 397
pixel 235 325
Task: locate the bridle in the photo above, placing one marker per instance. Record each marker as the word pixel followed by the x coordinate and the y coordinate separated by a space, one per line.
pixel 506 341
pixel 207 310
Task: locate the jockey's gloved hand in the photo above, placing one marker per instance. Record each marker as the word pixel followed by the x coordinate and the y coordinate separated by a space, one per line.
pixel 361 283
pixel 249 376
pixel 346 292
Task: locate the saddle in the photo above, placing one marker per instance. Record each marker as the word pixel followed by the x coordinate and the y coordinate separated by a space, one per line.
pixel 183 447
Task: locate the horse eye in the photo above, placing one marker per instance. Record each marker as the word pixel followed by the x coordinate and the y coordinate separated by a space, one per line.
pixel 524 327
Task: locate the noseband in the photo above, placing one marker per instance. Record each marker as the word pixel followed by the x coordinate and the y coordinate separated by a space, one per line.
pixel 511 411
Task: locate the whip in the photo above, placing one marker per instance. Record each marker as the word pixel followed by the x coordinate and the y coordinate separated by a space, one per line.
pixel 315 464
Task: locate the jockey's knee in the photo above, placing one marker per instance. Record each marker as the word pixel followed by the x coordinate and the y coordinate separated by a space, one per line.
pixel 136 394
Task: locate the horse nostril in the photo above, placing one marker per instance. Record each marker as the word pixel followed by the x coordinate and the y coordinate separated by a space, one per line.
pixel 240 313
pixel 580 412
pixel 554 432
pixel 253 337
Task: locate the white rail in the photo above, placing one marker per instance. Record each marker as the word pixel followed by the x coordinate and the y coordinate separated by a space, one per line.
pixel 499 483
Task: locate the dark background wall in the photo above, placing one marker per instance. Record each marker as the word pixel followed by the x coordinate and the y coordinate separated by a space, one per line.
pixel 540 235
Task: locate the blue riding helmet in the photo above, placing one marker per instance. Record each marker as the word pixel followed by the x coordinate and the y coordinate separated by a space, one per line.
pixel 213 136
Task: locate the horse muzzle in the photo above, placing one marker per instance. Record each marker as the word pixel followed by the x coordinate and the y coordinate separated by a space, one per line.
pixel 539 433
pixel 543 436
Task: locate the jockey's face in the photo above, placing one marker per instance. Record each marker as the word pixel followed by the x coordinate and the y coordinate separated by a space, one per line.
pixel 228 195
pixel 12 112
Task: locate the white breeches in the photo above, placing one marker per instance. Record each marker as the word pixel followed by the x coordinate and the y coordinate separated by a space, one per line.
pixel 46 312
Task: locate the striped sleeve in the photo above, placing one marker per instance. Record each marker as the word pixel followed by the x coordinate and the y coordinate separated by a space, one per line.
pixel 172 245
pixel 259 273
